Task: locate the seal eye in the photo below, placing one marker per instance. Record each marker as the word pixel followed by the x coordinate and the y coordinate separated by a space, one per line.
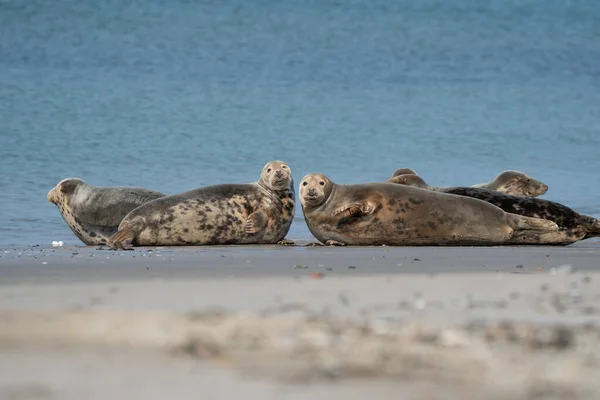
pixel 304 183
pixel 284 166
pixel 269 170
pixel 322 183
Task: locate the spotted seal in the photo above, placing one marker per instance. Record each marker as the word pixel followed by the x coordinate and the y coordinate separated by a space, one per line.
pixel 388 214
pixel 509 182
pixel 260 212
pixel 94 212
pixel 574 226
pixel 516 183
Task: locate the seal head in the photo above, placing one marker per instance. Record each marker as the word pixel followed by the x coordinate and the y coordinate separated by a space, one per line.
pixel 66 187
pixel 315 189
pixel 409 180
pixel 276 175
pixel 403 171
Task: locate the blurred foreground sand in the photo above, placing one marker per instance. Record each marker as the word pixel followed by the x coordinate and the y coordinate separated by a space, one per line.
pixel 497 334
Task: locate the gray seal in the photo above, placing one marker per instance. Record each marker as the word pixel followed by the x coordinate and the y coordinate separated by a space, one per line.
pixel 260 212
pixel 396 215
pixel 573 226
pixel 516 183
pixel 509 182
pixel 94 212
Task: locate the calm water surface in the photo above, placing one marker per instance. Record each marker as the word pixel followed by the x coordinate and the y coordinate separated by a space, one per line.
pixel 180 94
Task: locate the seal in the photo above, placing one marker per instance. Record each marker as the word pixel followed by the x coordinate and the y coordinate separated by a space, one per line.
pixel 573 226
pixel 396 215
pixel 260 212
pixel 516 183
pixel 509 182
pixel 94 212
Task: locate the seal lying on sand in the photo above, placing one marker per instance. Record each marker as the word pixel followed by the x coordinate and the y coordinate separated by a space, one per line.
pixel 252 213
pixel 396 215
pixel 94 213
pixel 573 225
pixel 509 182
pixel 515 183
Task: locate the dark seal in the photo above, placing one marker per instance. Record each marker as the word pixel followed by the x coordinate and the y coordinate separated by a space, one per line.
pixel 251 213
pixel 94 212
pixel 397 215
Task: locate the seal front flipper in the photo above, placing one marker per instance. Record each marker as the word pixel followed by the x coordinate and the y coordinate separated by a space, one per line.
pixel 286 242
pixel 122 239
pixel 255 222
pixel 334 243
pixel 353 210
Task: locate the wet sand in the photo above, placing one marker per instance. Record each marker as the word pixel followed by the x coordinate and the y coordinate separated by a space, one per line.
pixel 289 322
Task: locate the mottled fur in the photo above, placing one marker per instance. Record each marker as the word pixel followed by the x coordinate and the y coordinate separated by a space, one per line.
pixel 94 213
pixel 253 213
pixel 574 226
pixel 396 215
pixel 509 182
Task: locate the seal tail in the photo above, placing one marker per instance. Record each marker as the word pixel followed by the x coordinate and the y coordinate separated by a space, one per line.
pixel 519 222
pixel 122 239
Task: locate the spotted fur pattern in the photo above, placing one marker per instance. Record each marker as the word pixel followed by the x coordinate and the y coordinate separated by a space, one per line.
pixel 252 213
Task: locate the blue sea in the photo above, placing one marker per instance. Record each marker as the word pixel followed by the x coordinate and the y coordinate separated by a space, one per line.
pixel 174 95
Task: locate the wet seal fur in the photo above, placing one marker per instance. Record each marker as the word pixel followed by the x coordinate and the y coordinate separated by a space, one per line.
pixel 573 226
pixel 388 214
pixel 510 182
pixel 94 212
pixel 250 213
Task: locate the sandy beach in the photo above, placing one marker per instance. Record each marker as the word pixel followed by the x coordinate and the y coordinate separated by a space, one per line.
pixel 288 322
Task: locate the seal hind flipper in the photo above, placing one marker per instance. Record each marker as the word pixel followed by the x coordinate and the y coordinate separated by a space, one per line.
pixel 122 239
pixel 519 222
pixel 255 222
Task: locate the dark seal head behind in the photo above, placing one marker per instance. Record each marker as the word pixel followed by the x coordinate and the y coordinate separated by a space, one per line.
pixel 94 212
pixel 260 212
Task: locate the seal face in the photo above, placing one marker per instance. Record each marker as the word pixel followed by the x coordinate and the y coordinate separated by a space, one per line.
pixel 516 183
pixel 573 226
pixel 93 212
pixel 397 215
pixel 251 213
